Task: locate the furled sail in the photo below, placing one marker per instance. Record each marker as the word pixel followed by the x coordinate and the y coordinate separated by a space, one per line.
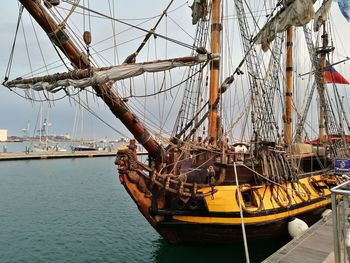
pixel 322 14
pixel 88 77
pixel 199 10
pixel 296 13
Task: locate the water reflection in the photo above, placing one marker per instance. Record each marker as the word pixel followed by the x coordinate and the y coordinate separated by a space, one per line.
pixel 165 252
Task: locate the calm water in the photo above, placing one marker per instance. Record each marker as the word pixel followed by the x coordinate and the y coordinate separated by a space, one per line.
pixel 75 210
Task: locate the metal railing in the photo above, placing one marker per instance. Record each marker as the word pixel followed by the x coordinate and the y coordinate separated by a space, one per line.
pixel 340 216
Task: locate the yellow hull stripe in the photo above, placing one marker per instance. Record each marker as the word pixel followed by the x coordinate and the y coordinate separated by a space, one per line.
pixel 254 219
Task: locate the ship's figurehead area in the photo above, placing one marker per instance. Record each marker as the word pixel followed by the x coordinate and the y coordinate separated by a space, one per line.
pixel 123 160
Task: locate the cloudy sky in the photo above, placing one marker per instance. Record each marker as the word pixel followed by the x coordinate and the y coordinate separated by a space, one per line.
pixel 15 112
pixel 65 115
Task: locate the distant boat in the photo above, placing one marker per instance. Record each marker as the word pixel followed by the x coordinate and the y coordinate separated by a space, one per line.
pixel 44 147
pixel 81 148
pixel 85 147
pixel 45 144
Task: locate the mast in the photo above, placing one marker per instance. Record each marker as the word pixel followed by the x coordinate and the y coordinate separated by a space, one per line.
pixel 289 89
pixel 79 60
pixel 214 71
pixel 321 89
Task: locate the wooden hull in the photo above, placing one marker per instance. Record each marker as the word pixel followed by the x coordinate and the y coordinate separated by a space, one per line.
pixel 219 221
pixel 183 232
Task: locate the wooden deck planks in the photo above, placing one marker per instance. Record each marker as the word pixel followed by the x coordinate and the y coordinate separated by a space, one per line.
pixel 313 246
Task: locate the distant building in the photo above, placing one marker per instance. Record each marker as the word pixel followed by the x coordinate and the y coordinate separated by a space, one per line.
pixel 3 135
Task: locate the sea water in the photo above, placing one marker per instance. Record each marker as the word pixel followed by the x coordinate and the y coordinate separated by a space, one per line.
pixel 76 210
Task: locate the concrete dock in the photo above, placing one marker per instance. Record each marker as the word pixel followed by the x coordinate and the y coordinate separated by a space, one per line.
pixel 15 156
pixel 53 155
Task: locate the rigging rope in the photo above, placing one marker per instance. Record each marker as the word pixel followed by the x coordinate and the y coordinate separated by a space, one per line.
pixel 150 33
pixel 9 64
pixel 274 182
pixel 71 11
pixel 86 107
pixel 45 100
pixel 133 26
pixel 170 88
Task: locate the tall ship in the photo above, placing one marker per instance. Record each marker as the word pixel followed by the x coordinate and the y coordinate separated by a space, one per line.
pixel 245 130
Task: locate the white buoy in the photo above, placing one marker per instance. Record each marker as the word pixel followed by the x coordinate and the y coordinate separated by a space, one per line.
pixel 326 213
pixel 296 227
